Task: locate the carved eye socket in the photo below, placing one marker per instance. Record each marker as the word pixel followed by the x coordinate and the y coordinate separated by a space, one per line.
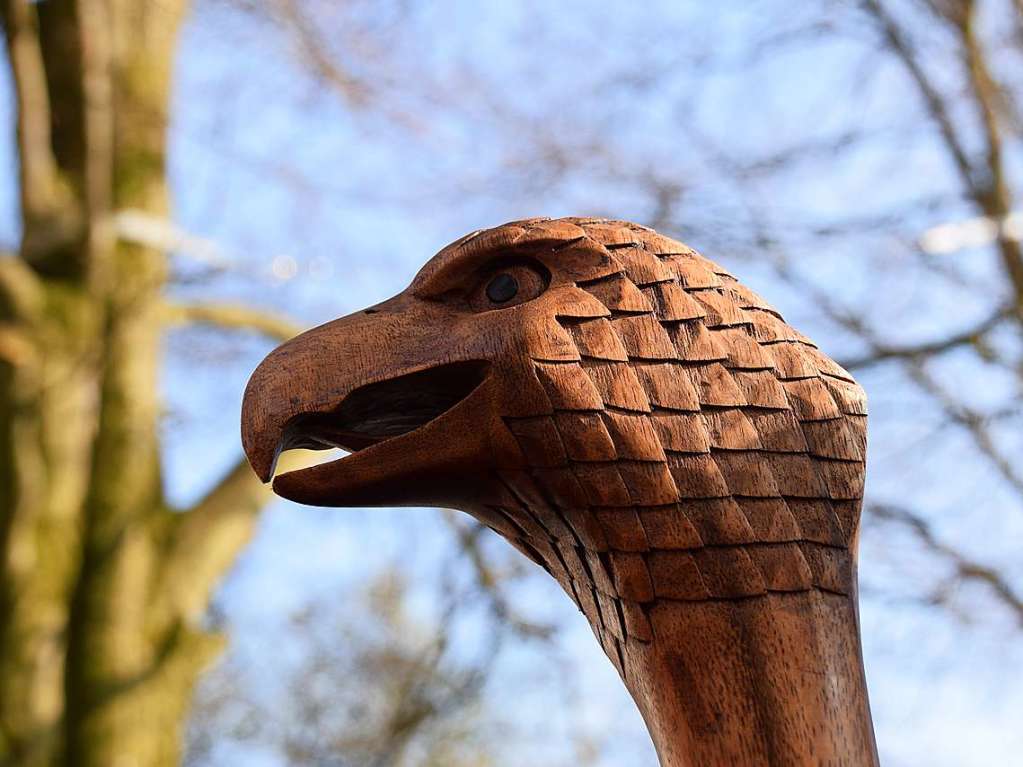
pixel 509 285
pixel 502 288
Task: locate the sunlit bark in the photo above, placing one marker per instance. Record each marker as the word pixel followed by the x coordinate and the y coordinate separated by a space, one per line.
pixel 102 587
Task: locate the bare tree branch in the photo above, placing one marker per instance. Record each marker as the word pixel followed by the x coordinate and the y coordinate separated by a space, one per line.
pixel 20 290
pixel 933 100
pixel 49 214
pixel 38 178
pixel 207 536
pixel 988 189
pixel 975 424
pixel 314 51
pixel 15 348
pixel 233 317
pixel 468 537
pixel 884 353
pixel 966 568
pixel 95 26
pixel 994 197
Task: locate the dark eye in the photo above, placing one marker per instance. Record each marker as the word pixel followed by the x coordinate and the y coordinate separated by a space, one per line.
pixel 509 284
pixel 502 288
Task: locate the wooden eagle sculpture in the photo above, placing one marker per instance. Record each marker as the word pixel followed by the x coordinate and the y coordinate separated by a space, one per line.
pixel 644 428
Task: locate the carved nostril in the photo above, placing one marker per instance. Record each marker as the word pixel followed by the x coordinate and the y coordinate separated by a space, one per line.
pixel 370 311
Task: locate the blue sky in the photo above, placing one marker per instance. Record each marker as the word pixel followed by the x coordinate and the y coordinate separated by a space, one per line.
pixel 270 164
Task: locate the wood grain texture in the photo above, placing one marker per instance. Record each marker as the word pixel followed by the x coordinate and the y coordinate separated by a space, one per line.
pixel 649 431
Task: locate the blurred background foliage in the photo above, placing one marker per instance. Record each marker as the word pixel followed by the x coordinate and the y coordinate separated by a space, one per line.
pixel 186 185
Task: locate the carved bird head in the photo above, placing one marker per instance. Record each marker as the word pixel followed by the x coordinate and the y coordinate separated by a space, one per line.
pixel 618 407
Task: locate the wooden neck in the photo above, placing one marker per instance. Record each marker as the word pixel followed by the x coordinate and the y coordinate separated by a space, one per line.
pixel 768 680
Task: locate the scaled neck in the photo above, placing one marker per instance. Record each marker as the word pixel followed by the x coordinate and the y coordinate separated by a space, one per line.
pixel 769 680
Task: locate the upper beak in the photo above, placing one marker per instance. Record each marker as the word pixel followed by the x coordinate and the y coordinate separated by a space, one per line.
pixel 388 383
pixel 309 374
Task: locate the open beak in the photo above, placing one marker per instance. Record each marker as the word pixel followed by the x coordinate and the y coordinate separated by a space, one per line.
pixel 387 385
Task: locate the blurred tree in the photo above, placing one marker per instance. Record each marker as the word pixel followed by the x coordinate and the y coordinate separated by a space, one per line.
pixel 817 141
pixel 380 679
pixel 102 584
pixel 373 687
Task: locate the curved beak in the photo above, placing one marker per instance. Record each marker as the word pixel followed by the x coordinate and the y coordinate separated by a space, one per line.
pixel 387 384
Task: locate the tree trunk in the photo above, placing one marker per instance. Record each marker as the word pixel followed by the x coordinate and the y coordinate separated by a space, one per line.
pixel 101 585
pixel 47 406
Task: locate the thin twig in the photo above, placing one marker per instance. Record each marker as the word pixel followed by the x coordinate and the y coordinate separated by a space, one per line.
pixel 905 52
pixel 967 569
pixel 974 422
pixel 468 537
pixel 883 352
